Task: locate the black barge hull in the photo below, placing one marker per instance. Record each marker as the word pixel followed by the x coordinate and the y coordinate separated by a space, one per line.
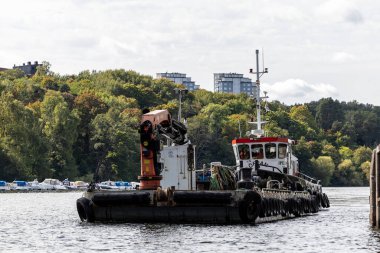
pixel 201 207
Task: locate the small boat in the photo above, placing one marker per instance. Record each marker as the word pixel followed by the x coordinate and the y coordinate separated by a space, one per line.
pixel 35 185
pixel 108 185
pixel 19 185
pixel 80 185
pixel 123 185
pixel 52 184
pixel 4 186
pixel 69 185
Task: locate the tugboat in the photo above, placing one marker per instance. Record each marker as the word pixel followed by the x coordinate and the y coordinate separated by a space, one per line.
pixel 265 184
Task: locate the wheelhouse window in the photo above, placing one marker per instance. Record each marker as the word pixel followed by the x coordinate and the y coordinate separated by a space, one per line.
pixel 282 150
pixel 257 151
pixel 270 150
pixel 244 152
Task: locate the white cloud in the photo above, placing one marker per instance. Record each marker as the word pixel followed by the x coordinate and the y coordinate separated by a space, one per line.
pixel 338 11
pixel 200 37
pixel 342 57
pixel 293 91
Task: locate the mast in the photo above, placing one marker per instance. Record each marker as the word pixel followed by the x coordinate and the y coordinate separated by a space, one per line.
pixel 258 73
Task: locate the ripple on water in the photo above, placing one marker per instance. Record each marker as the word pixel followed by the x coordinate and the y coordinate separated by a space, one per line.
pixel 35 222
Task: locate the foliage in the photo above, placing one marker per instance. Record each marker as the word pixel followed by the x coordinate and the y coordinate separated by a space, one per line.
pixel 323 168
pixel 85 126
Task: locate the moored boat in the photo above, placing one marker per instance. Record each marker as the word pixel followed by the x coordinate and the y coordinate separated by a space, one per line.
pixel 19 185
pixel 4 186
pixel 52 184
pixel 265 184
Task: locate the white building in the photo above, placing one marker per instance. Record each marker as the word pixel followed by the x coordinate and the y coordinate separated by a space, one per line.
pixel 233 83
pixel 179 78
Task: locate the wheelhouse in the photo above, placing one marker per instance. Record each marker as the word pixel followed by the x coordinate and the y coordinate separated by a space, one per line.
pixel 271 153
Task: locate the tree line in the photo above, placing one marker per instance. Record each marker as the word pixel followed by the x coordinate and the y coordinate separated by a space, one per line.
pixel 84 126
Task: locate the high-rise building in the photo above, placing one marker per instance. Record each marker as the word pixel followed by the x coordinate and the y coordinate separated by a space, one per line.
pixel 233 83
pixel 29 68
pixel 179 78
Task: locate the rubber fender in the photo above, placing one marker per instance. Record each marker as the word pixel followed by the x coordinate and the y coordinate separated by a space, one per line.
pixel 300 205
pixel 290 205
pixel 285 209
pixel 280 206
pixel 318 199
pixel 270 207
pixel 268 211
pixel 321 200
pixel 328 201
pixel 325 200
pixel 121 198
pixel 250 207
pixel 85 211
pixel 297 207
pixel 324 205
pixel 263 208
pixel 284 212
pixel 307 205
pixel 202 197
pixel 276 207
pixel 303 205
pixel 314 204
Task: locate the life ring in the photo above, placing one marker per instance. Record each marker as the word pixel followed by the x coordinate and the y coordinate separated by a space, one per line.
pixel 249 207
pixel 84 208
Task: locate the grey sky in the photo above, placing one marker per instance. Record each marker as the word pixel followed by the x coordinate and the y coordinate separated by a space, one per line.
pixel 313 49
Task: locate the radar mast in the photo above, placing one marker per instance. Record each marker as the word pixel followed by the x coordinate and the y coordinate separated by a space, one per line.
pixel 258 131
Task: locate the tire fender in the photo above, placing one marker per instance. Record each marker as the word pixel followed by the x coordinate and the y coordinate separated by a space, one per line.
pixel 85 211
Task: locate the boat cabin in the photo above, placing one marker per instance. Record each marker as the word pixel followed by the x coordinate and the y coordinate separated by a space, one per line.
pixel 269 153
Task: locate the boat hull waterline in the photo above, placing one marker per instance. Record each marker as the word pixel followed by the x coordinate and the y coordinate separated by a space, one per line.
pixel 210 207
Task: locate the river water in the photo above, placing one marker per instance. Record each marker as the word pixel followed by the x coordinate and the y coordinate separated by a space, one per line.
pixel 48 222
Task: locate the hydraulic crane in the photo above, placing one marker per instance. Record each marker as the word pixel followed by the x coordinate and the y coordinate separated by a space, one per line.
pixel 155 125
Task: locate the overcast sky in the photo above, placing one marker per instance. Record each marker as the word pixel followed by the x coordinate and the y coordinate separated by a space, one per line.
pixel 313 49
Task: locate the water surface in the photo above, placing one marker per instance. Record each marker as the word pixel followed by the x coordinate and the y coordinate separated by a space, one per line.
pixel 48 222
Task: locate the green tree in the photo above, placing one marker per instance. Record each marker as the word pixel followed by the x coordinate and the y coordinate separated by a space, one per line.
pixel 60 128
pixel 361 155
pixel 345 152
pixel 323 169
pixel 22 147
pixel 366 167
pixel 347 175
pixel 302 114
pixel 88 105
pixel 330 150
pixel 328 111
pixel 115 141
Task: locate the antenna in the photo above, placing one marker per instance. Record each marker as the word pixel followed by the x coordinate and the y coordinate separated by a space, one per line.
pixel 239 129
pixel 262 57
pixel 258 73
